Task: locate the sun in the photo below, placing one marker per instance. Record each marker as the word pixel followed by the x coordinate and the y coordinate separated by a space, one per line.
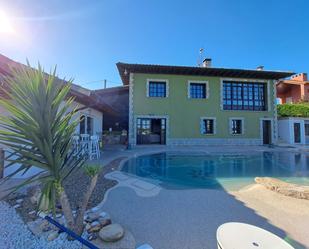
pixel 5 23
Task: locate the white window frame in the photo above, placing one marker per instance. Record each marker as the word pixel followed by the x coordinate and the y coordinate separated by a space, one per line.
pixel 202 128
pixel 198 82
pixel 242 125
pixel 158 80
pixel 86 115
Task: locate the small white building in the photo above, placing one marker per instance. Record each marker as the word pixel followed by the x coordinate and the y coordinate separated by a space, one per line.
pixel 293 130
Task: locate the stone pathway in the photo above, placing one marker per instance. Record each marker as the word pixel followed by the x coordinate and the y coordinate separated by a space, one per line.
pixel 141 187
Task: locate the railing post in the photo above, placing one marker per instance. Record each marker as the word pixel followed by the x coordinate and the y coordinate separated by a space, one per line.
pixel 1 162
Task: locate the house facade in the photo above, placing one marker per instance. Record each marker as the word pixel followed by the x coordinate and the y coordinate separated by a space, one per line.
pixel 175 105
pixel 293 90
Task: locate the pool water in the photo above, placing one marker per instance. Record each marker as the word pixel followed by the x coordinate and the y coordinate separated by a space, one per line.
pixel 232 171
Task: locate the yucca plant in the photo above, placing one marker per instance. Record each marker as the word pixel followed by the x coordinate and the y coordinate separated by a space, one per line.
pixel 38 131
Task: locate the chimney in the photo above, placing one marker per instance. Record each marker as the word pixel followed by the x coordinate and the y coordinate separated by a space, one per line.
pixel 299 77
pixel 260 68
pixel 206 62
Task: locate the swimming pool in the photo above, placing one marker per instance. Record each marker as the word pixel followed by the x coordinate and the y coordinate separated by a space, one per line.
pixel 231 171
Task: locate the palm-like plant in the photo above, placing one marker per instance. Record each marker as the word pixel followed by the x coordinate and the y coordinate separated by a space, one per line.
pixel 38 132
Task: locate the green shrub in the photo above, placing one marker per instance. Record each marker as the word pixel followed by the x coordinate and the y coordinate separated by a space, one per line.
pixel 293 110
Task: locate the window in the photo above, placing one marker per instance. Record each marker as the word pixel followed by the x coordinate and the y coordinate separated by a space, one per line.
pixel 157 89
pixel 244 96
pixel 306 129
pixel 197 90
pixel 208 126
pixel 236 126
pixel 86 125
pixel 82 125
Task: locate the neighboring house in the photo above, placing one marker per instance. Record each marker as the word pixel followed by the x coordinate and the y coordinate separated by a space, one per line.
pixel 293 130
pixel 118 98
pixel 179 105
pixel 91 106
pixel 293 90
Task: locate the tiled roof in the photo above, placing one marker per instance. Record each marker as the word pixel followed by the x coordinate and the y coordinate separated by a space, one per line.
pixel 125 69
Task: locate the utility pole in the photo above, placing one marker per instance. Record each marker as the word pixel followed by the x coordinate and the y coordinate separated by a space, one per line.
pixel 104 84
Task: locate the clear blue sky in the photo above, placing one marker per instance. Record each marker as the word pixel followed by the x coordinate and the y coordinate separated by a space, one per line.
pixel 86 38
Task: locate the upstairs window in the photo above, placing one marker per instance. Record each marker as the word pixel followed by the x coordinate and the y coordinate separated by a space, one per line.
pixel 244 96
pixel 197 91
pixel 236 126
pixel 208 126
pixel 157 89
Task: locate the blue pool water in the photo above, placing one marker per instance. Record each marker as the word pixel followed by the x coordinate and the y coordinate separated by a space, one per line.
pixel 215 171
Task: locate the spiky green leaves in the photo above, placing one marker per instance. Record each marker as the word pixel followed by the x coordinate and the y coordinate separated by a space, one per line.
pixel 39 128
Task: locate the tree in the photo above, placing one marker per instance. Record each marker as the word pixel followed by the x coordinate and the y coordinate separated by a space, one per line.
pixel 38 131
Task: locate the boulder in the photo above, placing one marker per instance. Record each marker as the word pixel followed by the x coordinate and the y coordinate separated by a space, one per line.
pixel 104 222
pixel 52 236
pixel 92 217
pixel 111 233
pixel 285 188
pixel 127 242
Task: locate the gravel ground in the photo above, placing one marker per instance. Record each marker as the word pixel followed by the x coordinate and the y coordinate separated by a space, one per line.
pixel 14 234
pixel 75 190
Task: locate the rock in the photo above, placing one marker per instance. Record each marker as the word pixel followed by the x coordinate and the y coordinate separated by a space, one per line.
pixel 92 217
pixel 16 206
pixel 285 188
pixel 95 227
pixel 45 226
pixel 127 242
pixel 104 222
pixel 92 236
pixel 95 209
pixel 35 193
pixel 34 227
pixel 19 201
pixel 53 235
pixel 104 215
pixel 42 214
pixel 111 233
pixel 88 226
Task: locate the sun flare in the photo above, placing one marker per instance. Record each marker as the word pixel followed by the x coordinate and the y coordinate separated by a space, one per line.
pixel 5 23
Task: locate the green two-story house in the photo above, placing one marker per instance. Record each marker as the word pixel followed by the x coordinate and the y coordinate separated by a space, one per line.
pixel 178 105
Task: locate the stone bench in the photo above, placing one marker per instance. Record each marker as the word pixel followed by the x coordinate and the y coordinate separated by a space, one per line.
pixel 285 188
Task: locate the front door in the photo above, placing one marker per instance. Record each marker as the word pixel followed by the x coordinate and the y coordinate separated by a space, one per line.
pixel 296 132
pixel 266 132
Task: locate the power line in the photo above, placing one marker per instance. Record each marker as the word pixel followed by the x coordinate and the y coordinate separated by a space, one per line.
pixel 99 81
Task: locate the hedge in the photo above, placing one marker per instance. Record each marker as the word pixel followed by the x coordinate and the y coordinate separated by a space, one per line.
pixel 293 110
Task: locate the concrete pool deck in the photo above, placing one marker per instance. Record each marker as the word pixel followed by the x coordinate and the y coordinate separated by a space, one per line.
pixel 188 218
pixel 175 219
